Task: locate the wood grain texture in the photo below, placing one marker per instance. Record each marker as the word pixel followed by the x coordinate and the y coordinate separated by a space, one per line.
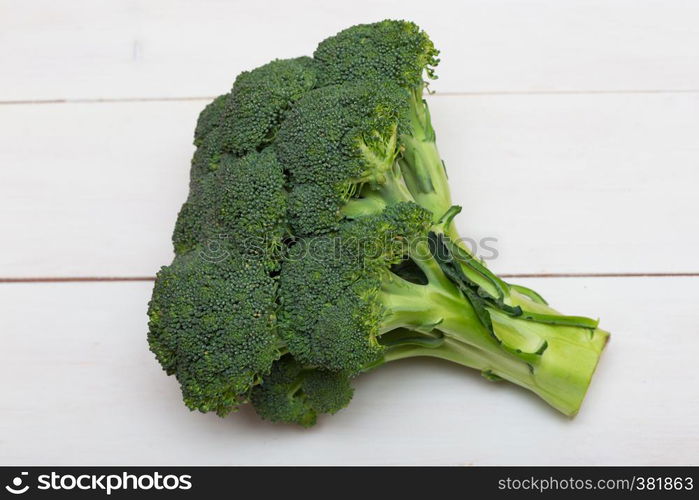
pixel 561 184
pixel 569 129
pixel 81 387
pixel 165 48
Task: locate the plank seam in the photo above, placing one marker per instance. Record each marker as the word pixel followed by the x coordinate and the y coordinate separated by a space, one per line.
pixel 89 279
pixel 100 100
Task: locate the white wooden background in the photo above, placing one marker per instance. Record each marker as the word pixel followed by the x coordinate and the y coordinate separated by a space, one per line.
pixel 570 131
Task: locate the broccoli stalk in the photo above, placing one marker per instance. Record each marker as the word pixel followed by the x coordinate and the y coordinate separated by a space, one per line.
pixel 521 341
pixel 421 163
pixel 510 333
pixel 463 313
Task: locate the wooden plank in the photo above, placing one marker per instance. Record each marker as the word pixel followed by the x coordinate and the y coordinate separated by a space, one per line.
pixel 576 184
pixel 92 189
pixel 164 48
pixel 564 184
pixel 80 381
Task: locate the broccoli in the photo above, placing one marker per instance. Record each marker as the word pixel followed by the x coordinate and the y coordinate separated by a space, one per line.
pixel 318 243
pixel 212 316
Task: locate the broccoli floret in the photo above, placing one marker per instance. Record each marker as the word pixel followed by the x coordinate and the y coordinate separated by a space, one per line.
pixel 318 242
pixel 353 149
pixel 247 118
pixel 364 139
pixel 242 204
pixel 213 326
pixel 335 323
pixel 400 53
pixel 259 100
pixel 388 50
pixel 338 141
pixel 292 393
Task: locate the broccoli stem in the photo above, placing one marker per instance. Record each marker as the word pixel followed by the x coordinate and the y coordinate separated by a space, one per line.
pixel 425 176
pixel 421 163
pixel 375 196
pixel 554 361
pixel 465 314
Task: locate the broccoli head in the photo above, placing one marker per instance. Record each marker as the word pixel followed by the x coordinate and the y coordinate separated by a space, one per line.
pixel 318 242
